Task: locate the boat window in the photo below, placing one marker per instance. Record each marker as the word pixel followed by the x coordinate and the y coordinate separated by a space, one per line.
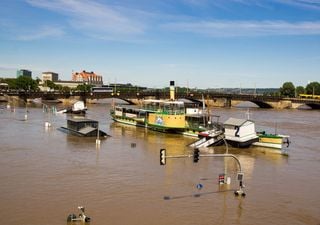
pixel 142 113
pixel 173 108
pixel 119 108
pixel 152 106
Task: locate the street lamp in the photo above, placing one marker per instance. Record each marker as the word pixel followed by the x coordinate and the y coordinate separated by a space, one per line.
pixel 312 91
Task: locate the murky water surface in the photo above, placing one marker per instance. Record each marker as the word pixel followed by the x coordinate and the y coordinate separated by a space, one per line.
pixel 45 174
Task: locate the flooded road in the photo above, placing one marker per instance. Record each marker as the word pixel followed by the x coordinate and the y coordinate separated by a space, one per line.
pixel 45 174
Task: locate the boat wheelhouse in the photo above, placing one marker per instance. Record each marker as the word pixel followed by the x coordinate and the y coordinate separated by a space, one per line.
pixel 240 133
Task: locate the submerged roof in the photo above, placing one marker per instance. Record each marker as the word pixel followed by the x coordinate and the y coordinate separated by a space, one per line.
pixel 86 130
pixel 236 122
pixel 79 120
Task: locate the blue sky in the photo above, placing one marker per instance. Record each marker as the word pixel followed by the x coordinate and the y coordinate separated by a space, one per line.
pixel 197 43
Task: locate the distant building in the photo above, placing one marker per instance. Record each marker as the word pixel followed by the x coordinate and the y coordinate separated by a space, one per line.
pixel 24 73
pixel 87 77
pixel 50 76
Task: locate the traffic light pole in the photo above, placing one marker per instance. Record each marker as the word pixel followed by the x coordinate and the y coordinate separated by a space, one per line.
pixel 196 156
pixel 224 155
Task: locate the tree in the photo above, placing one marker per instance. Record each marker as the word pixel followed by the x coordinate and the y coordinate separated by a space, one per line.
pixel 300 90
pixel 313 88
pixel 12 82
pixel 287 89
pixel 66 89
pixel 38 80
pixel 50 84
pixel 26 83
pixel 84 87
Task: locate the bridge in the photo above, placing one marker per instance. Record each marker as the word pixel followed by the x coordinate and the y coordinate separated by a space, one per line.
pixel 210 98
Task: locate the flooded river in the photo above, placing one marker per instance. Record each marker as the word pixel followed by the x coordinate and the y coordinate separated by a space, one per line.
pixel 45 174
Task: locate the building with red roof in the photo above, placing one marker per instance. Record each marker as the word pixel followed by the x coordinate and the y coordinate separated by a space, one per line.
pixel 87 77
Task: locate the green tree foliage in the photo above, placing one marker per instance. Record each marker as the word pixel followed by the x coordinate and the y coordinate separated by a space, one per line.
pixel 26 83
pixel 84 87
pixel 38 80
pixel 313 88
pixel 300 90
pixel 287 89
pixel 12 82
pixel 65 89
pixel 50 84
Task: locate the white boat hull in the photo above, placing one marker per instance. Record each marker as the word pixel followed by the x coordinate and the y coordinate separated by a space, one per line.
pixel 268 145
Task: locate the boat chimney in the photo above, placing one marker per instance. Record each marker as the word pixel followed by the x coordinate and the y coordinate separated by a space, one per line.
pixel 172 97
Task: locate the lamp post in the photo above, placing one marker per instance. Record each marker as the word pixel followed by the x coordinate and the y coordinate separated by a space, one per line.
pixel 98 141
pixel 312 91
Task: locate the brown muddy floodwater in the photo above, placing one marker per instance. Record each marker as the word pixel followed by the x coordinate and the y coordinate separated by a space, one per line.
pixel 46 174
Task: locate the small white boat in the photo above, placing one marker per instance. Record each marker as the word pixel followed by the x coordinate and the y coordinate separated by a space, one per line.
pixel 276 143
pixel 37 100
pixel 77 108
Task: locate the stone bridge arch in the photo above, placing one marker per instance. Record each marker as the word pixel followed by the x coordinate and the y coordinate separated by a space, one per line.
pixel 313 105
pixel 193 100
pixel 126 100
pixel 130 102
pixel 259 103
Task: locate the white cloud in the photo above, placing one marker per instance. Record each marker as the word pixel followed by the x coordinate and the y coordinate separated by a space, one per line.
pixel 40 33
pixel 225 28
pixel 308 4
pixel 97 19
pixel 107 21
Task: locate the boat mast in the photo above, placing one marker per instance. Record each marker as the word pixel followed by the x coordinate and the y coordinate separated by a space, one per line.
pixel 203 109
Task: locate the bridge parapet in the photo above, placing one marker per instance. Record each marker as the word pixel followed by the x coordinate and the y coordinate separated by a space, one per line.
pixel 211 98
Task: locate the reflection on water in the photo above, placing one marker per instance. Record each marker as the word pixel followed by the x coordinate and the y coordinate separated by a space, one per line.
pixel 46 173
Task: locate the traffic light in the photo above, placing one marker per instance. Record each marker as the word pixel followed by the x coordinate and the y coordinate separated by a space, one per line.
pixel 162 157
pixel 240 176
pixel 196 155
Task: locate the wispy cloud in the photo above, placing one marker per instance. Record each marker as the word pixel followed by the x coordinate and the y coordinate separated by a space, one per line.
pixel 113 21
pixel 224 4
pixel 40 33
pixel 314 4
pixel 96 19
pixel 11 30
pixel 307 4
pixel 224 28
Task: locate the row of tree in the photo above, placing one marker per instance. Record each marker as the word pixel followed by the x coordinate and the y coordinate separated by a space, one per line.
pixel 28 84
pixel 21 83
pixel 289 90
pixel 24 83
